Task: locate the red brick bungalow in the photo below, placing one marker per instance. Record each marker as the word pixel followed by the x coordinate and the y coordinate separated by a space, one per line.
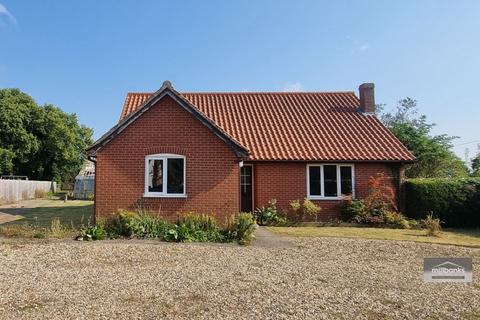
pixel 222 153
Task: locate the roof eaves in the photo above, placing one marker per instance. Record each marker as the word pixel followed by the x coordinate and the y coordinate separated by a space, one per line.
pixel 317 160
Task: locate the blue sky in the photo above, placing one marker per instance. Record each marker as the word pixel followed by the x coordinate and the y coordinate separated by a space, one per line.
pixel 84 56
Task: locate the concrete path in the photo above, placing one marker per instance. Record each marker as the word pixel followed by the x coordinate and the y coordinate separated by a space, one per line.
pixel 5 217
pixel 267 239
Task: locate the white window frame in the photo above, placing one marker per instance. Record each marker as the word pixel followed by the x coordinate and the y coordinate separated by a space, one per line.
pixel 339 188
pixel 164 194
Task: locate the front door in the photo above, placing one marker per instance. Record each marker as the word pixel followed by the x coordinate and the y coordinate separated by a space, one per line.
pixel 246 188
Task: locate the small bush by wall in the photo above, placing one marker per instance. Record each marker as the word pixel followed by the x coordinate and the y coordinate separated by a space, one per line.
pixel 455 201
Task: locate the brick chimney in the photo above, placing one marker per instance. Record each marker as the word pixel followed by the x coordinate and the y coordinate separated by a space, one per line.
pixel 367 97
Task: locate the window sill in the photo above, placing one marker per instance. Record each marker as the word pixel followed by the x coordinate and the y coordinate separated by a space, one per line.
pixel 153 195
pixel 325 198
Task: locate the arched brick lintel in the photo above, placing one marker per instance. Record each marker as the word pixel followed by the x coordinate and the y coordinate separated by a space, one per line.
pixel 166 149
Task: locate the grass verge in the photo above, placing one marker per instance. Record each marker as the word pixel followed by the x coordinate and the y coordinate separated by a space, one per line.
pixel 30 231
pixel 71 213
pixel 50 218
pixel 459 237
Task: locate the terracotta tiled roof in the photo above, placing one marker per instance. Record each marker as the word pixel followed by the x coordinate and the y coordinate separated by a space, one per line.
pixel 314 126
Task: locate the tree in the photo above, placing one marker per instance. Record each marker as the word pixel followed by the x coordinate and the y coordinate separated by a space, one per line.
pixel 17 142
pixel 42 142
pixel 476 166
pixel 433 152
pixel 6 161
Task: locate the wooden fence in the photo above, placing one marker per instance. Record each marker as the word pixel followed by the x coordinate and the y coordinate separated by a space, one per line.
pixel 16 190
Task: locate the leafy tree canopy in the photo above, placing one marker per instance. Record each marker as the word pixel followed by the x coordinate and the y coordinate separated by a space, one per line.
pixel 435 158
pixel 476 166
pixel 41 142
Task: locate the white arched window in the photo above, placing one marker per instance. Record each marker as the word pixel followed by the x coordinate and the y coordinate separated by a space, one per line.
pixel 165 175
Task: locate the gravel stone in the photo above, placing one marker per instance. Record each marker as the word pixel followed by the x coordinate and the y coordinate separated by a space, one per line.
pixel 315 278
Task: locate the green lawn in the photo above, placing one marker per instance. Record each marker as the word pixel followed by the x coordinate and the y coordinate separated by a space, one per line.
pixel 470 238
pixel 72 212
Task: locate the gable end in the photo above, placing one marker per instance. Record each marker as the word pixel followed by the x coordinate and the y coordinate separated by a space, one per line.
pixel 167 90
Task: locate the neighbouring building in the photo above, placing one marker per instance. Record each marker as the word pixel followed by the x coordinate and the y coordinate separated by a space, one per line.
pixel 226 152
pixel 84 187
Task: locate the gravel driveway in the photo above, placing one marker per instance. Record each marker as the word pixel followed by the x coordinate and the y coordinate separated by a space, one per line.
pixel 317 278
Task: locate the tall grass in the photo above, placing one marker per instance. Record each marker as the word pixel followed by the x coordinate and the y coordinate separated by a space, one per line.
pixel 432 225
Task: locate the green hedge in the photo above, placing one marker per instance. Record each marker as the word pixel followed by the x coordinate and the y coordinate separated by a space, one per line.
pixel 455 201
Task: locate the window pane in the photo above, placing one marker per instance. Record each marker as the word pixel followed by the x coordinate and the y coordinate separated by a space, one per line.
pixel 314 181
pixel 346 180
pixel 245 178
pixel 175 176
pixel 155 175
pixel 330 180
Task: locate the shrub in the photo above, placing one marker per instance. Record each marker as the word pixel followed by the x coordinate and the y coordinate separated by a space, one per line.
pixel 301 209
pixel 193 227
pixel 132 224
pixel 432 225
pixel 396 220
pixel 127 224
pixel 269 215
pixel 377 209
pixel 151 227
pixel 94 232
pixel 381 197
pixel 245 228
pixel 190 227
pixel 148 226
pixel 414 224
pixel 454 201
pixel 171 235
pixel 353 210
pixel 374 221
pixel 196 221
pixel 403 224
pixel 295 206
pixel 310 208
pixel 49 195
pixel 229 230
pixel 123 223
pixel 239 228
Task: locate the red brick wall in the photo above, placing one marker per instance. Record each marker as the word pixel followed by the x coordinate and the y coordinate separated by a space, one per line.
pixel 287 181
pixel 212 182
pixel 212 171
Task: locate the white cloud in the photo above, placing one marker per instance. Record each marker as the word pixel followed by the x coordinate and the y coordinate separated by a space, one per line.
pixel 363 47
pixel 4 11
pixel 293 87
